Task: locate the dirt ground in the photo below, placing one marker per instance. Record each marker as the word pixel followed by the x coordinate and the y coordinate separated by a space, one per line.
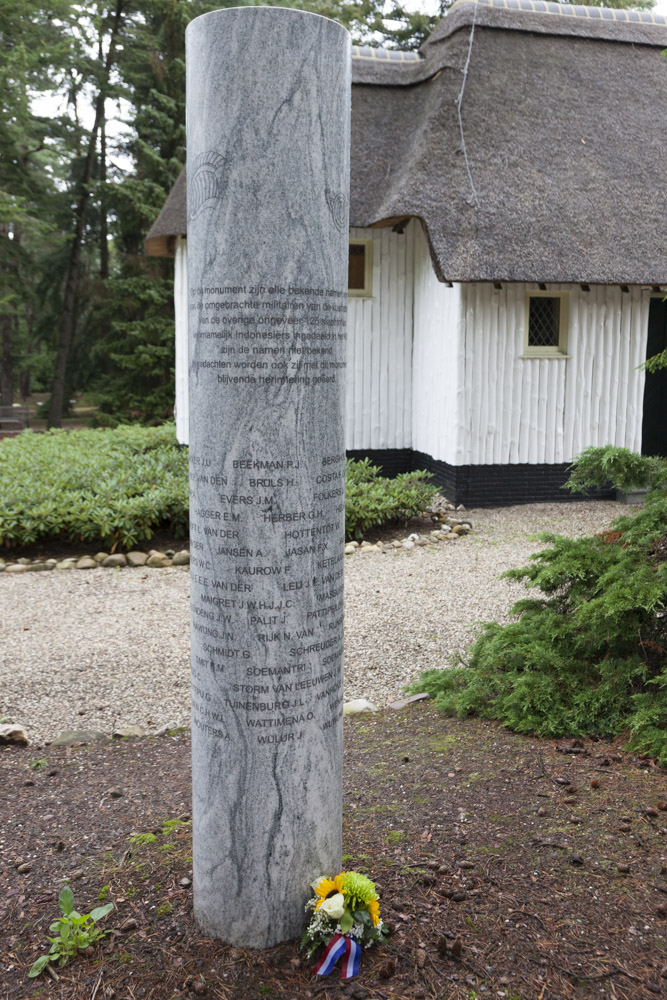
pixel 507 867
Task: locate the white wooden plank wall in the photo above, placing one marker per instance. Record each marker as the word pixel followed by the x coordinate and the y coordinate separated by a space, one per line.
pixel 378 412
pixel 547 410
pixel 438 362
pixel 458 388
pixel 181 411
pixel 379 347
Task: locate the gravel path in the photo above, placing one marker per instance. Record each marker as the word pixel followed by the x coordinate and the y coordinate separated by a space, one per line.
pixel 97 648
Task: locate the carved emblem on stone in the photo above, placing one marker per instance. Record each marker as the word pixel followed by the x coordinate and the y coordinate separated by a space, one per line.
pixel 338 206
pixel 206 185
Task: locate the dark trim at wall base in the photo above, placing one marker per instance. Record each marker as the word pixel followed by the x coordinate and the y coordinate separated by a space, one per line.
pixel 485 485
pixel 392 461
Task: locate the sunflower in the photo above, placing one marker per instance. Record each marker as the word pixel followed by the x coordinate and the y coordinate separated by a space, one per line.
pixel 326 887
pixel 374 910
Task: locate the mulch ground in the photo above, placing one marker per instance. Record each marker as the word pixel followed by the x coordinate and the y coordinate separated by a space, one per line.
pixel 507 867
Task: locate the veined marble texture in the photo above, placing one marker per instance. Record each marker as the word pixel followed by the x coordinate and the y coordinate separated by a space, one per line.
pixel 268 93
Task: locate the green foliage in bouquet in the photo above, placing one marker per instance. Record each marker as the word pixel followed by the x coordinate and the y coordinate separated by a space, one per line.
pixel 372 500
pixel 587 654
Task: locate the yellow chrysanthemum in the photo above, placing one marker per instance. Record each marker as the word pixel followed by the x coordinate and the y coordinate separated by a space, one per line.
pixel 374 910
pixel 326 886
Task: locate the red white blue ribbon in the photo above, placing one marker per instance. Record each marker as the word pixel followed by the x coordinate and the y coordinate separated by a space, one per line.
pixel 339 945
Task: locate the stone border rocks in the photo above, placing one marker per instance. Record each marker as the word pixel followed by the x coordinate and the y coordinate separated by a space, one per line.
pixel 105 560
pixel 451 530
pixel 12 734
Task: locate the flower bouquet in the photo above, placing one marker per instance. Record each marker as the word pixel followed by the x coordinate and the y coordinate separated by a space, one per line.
pixel 345 918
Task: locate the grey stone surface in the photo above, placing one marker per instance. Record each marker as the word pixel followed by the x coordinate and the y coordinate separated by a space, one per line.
pixel 11 733
pixel 128 732
pixel 77 736
pixel 268 148
pixel 118 559
pixel 398 705
pixel 181 558
pixel 158 560
pixel 136 558
pixel 359 705
pixel 85 562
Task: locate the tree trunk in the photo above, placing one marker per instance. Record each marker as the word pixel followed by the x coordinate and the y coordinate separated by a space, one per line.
pixel 104 228
pixel 71 296
pixel 25 375
pixel 6 371
pixel 7 326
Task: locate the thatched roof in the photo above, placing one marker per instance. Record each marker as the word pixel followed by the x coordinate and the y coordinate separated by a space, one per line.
pixel 556 170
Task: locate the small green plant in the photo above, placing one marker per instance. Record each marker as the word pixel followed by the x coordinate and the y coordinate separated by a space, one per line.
pixel 624 469
pixel 141 839
pixel 38 765
pixel 122 958
pixel 395 836
pixel 103 893
pixel 164 910
pixel 170 825
pixel 75 932
pixel 372 500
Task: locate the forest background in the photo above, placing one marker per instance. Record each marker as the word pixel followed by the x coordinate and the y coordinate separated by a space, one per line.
pixel 82 308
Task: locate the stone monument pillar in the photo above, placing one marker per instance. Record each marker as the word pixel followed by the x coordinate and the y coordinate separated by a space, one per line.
pixel 268 95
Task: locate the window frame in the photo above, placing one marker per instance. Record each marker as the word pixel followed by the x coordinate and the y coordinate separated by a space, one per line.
pixel 367 291
pixel 559 350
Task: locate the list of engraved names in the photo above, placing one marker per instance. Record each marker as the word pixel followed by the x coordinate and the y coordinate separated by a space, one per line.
pixel 267 563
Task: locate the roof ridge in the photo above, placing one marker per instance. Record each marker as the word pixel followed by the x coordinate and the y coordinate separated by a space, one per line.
pixel 567 10
pixel 379 53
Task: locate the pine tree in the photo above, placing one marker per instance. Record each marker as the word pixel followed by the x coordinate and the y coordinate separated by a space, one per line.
pixel 35 50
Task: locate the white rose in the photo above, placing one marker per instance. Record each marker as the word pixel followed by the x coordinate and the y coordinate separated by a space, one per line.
pixel 334 906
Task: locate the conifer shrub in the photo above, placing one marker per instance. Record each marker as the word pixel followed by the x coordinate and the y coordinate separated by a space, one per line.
pixel 587 654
